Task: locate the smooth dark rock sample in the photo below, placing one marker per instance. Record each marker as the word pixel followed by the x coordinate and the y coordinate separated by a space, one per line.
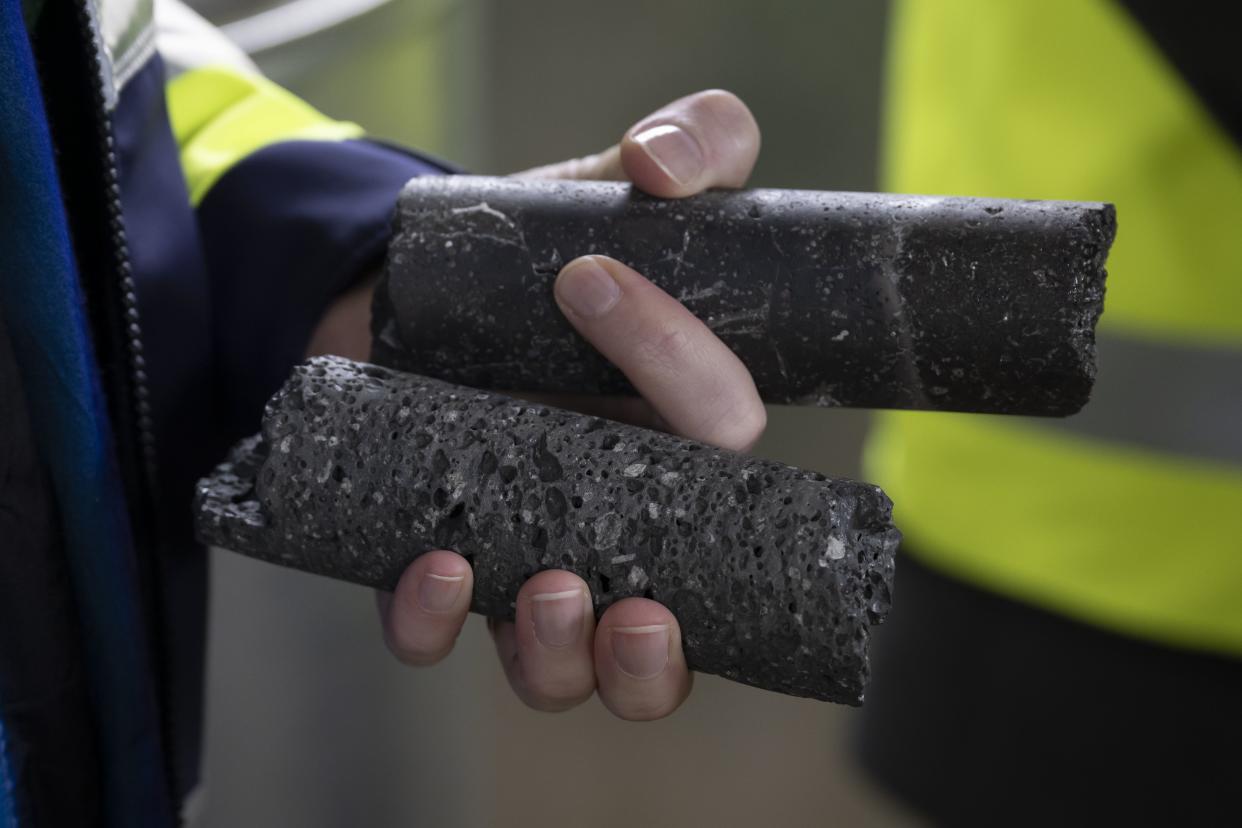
pixel 850 299
pixel 775 574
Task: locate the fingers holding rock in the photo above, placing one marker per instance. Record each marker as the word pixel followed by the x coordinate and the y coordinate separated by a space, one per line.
pixel 547 650
pixel 639 664
pixel 692 380
pixel 423 616
pixel 709 139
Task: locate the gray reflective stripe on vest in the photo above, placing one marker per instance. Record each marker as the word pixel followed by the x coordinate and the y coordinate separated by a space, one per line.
pixel 187 41
pixel 1164 397
pixel 129 32
pixel 125 38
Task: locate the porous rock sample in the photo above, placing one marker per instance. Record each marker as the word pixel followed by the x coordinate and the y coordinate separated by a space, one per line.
pixel 775 574
pixel 852 299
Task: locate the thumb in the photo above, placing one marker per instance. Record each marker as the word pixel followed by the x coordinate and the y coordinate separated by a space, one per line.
pixel 602 166
pixel 708 139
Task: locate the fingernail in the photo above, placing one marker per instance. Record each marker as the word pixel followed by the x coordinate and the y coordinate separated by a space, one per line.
pixel 641 652
pixel 587 288
pixel 438 593
pixel 674 151
pixel 557 617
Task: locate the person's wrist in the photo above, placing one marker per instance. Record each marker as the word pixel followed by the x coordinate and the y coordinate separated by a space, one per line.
pixel 345 328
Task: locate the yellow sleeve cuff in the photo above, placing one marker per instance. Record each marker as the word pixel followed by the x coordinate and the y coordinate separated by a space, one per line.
pixel 220 116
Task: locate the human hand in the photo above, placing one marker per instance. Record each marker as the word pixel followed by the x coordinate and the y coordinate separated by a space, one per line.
pixel 555 654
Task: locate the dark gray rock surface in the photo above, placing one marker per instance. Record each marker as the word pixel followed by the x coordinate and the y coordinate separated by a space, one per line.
pixel 850 299
pixel 775 574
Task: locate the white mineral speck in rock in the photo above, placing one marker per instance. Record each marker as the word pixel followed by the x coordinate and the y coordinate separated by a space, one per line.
pixel 834 551
pixel 669 478
pixel 608 530
pixel 637 577
pixel 456 482
pixel 286 443
pixel 634 469
pixel 653 511
pixel 620 559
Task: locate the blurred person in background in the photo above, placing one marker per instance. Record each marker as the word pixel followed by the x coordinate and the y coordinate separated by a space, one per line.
pixel 1066 638
pixel 176 232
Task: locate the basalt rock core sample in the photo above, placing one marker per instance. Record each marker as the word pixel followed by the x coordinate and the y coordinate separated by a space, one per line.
pixel 775 574
pixel 851 299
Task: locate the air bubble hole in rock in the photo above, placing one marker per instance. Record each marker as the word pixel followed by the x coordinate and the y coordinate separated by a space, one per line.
pixel 654 541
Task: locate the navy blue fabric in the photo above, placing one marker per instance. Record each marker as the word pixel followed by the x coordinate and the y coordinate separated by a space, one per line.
pixel 49 739
pixel 175 309
pixel 8 793
pixel 42 301
pixel 285 231
pixel 228 297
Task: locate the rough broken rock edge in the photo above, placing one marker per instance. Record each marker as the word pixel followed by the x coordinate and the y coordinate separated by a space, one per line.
pixel 775 574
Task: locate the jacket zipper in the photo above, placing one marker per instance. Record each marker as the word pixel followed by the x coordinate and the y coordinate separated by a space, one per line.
pixel 126 296
pixel 113 307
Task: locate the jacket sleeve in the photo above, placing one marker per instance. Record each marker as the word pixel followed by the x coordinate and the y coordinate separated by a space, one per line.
pixel 293 207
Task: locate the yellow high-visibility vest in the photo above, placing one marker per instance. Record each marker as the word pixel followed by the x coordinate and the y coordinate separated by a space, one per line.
pixel 1128 516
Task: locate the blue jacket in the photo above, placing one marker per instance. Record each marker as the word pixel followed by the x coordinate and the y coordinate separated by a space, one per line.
pixel 172 229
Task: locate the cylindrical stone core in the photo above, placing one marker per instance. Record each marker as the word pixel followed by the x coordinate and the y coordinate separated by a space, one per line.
pixel 775 574
pixel 853 299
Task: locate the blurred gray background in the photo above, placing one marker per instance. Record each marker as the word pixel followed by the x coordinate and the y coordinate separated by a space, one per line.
pixel 309 721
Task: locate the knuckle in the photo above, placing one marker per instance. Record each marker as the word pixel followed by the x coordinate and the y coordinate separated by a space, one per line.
pixel 668 349
pixel 585 166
